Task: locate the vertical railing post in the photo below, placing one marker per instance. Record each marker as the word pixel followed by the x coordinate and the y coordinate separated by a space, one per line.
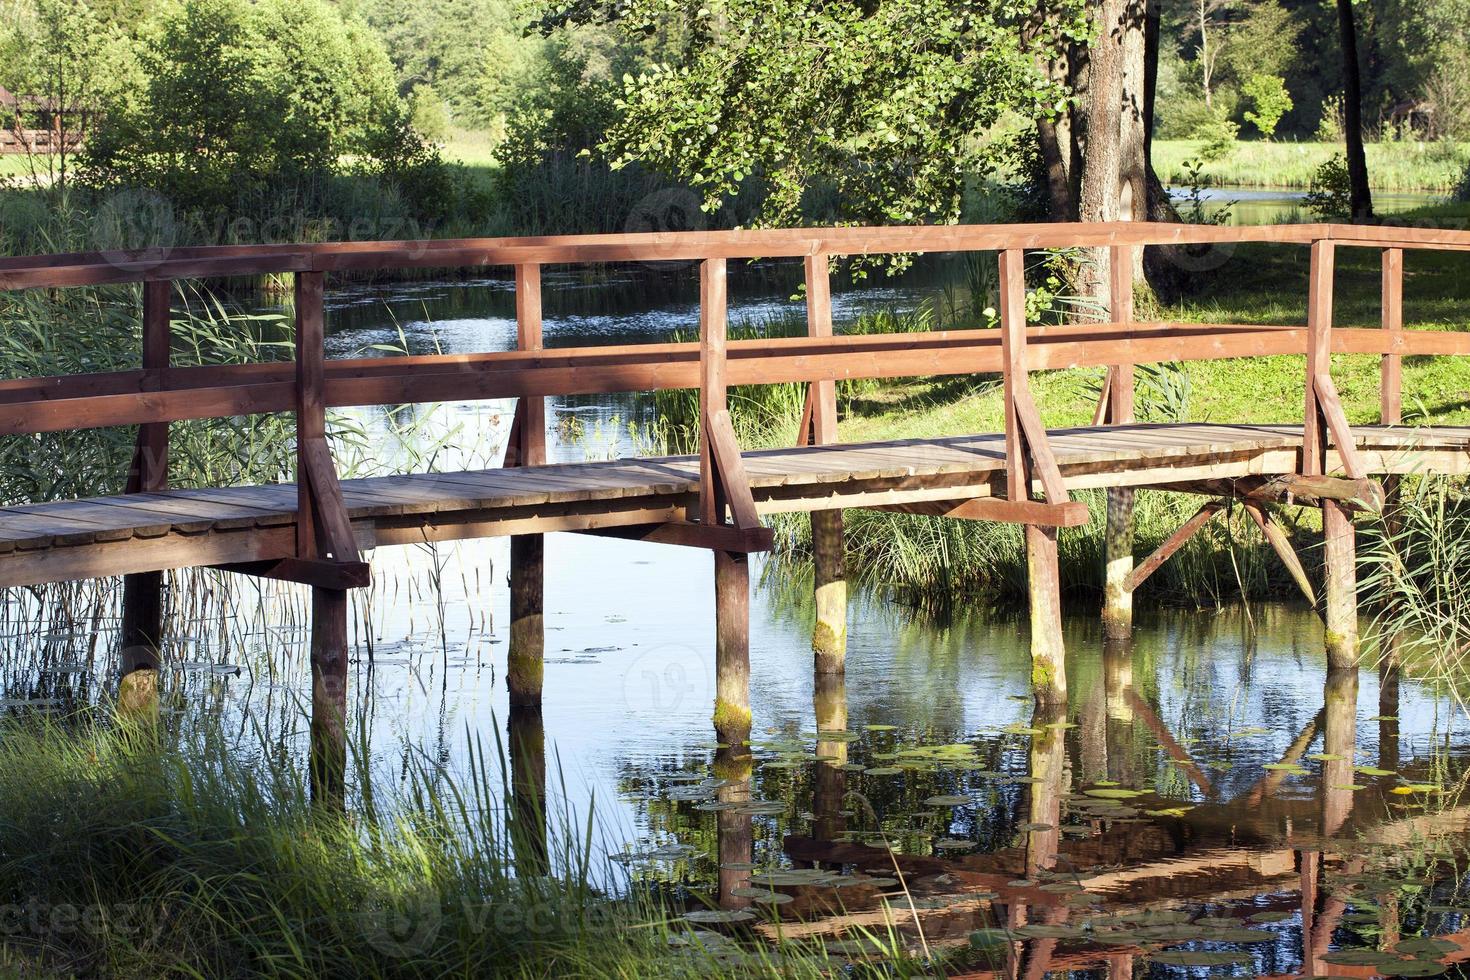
pixel 829 635
pixel 1118 538
pixel 1391 367
pixel 1340 603
pixel 525 665
pixel 1319 354
pixel 732 569
pixel 328 763
pixel 1048 668
pixel 142 604
pixel 713 326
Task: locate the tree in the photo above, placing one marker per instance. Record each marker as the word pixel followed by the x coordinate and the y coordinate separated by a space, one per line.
pixel 1269 102
pixel 240 96
pixel 63 59
pixel 1360 198
pixel 892 103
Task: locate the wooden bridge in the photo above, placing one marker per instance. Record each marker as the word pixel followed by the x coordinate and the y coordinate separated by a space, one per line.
pixel 316 530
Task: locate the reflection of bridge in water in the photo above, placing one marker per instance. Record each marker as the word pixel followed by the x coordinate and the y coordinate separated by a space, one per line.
pixel 1095 884
pixel 315 530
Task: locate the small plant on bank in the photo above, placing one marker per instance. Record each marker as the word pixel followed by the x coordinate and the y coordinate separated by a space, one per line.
pixel 1331 190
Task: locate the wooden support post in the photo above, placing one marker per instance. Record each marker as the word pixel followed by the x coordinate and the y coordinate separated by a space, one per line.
pixel 141 636
pixel 1118 539
pixel 1340 600
pixel 526 655
pixel 829 635
pixel 829 781
pixel 1048 667
pixel 732 648
pixel 328 696
pixel 319 535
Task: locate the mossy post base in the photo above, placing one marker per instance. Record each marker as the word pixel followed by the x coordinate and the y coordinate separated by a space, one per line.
pixel 732 648
pixel 525 662
pixel 1118 541
pixel 1340 604
pixel 829 635
pixel 328 696
pixel 1048 666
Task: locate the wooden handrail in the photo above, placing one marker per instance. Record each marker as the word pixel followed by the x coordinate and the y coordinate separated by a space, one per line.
pixel 158 393
pixel 98 268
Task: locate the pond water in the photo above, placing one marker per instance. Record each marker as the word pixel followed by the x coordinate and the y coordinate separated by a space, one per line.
pixel 1267 205
pixel 1208 798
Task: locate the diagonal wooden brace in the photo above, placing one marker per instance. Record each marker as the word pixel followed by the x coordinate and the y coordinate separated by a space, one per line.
pixel 732 485
pixel 326 537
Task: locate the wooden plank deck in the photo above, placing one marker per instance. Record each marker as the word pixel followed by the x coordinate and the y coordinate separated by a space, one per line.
pixel 177 528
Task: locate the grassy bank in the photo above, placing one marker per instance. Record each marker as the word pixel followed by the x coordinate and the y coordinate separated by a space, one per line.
pixel 1404 166
pixel 140 853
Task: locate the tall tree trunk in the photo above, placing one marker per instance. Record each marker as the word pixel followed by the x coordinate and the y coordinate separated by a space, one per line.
pixel 1360 198
pixel 1102 163
pixel 1055 137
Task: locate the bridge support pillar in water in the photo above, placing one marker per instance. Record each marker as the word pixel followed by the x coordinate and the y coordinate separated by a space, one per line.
pixel 829 635
pixel 1340 600
pixel 328 695
pixel 526 657
pixel 140 640
pixel 732 648
pixel 1048 660
pixel 1118 544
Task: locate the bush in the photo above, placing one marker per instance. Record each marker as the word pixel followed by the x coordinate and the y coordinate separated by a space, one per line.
pixel 1331 192
pixel 1218 134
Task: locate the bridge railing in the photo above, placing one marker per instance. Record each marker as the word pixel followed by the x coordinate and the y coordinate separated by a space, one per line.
pixel 158 392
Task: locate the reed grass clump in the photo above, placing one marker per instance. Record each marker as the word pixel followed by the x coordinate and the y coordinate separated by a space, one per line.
pixel 140 852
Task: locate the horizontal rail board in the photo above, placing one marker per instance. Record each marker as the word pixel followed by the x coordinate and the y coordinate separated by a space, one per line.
pixel 100 268
pixel 125 398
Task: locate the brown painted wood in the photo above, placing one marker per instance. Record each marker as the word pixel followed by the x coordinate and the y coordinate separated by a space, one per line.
pixel 717 537
pixel 1013 365
pixel 713 323
pixel 1319 352
pixel 531 411
pixel 1391 367
pixel 819 324
pixel 1171 544
pixel 730 467
pixel 311 407
pixel 307 571
pixel 1072 513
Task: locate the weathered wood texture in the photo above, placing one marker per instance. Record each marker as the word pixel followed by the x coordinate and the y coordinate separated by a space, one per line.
pixel 176 528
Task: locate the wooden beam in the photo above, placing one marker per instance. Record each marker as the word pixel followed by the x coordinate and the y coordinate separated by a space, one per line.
pixel 311 408
pixel 1171 544
pixel 1319 353
pixel 1013 367
pixel 1072 513
pixel 729 465
pixel 717 537
pixel 307 571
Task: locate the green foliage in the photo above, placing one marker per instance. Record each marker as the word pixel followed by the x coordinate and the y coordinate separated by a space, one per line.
pixel 429 117
pixel 890 104
pixel 1269 100
pixel 1218 133
pixel 240 97
pixel 473 52
pixel 1331 190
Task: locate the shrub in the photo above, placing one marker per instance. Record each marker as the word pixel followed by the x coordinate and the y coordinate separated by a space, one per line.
pixel 1331 192
pixel 1269 100
pixel 1218 133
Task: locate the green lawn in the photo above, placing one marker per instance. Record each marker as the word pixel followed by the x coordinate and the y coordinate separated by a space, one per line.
pixel 1433 167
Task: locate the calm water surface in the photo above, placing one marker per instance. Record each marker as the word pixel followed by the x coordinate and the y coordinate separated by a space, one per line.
pixel 1208 800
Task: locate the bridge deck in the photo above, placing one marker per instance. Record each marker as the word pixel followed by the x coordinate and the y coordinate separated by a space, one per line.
pixel 177 528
